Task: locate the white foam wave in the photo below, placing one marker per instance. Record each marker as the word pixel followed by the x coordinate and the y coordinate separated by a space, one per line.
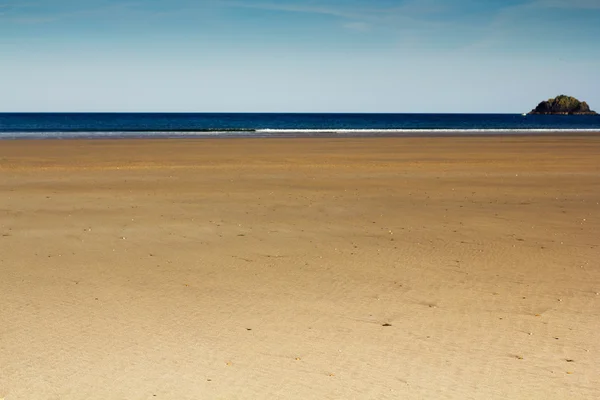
pixel 434 130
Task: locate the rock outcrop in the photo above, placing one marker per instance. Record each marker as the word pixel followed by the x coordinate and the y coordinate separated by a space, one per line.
pixel 563 105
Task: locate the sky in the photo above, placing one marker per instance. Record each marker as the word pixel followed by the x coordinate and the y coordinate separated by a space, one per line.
pixel 430 56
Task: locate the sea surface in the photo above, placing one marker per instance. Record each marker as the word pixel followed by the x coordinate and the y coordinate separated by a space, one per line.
pixel 186 125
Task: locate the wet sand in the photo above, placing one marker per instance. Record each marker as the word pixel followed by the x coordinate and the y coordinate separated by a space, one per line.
pixel 386 268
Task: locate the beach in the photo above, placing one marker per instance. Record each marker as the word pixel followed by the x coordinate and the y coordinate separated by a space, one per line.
pixel 354 268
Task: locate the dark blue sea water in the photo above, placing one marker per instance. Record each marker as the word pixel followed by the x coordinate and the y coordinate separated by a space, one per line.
pixel 170 125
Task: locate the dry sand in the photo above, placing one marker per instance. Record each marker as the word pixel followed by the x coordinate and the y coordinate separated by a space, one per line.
pixel 269 268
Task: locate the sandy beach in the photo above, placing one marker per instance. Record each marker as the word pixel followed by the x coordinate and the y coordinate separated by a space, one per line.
pixel 382 268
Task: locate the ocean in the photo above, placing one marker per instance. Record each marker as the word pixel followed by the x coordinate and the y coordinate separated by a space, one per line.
pixel 188 125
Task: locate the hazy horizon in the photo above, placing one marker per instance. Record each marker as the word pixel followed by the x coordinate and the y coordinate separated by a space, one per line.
pixel 381 56
pixel 265 112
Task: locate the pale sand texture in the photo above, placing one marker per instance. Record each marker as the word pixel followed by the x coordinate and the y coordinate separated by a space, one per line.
pixel 265 269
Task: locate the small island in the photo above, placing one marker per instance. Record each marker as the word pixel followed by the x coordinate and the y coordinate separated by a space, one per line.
pixel 563 105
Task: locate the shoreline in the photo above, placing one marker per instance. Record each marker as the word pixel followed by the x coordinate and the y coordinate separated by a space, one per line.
pixel 300 134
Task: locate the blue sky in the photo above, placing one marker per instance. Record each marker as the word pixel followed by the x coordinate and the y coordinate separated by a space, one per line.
pixel 297 55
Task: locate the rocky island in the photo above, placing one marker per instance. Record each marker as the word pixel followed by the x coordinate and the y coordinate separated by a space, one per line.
pixel 563 105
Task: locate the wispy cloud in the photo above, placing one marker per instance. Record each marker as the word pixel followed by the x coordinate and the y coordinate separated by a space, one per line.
pixel 570 4
pixel 346 11
pixel 358 26
pixel 516 28
pixel 358 15
pixel 23 14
